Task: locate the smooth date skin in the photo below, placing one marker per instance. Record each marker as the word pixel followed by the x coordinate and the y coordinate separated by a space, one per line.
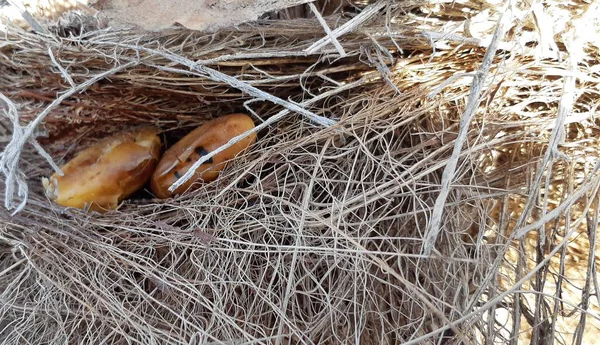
pixel 180 157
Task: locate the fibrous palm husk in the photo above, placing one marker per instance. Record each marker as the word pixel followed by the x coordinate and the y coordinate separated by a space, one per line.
pixel 317 234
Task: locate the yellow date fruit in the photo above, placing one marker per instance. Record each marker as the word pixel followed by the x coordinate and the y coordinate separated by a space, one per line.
pixel 180 157
pixel 104 174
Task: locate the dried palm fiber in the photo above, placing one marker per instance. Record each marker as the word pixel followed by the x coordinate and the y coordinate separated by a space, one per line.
pixel 316 235
pixel 38 13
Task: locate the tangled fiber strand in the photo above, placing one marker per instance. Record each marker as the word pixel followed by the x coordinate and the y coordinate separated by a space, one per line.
pixel 223 267
pixel 315 235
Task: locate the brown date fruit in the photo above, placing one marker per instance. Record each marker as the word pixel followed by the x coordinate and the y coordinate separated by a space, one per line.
pixel 211 135
pixel 109 171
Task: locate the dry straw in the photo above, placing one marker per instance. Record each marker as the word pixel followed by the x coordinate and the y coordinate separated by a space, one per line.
pixel 422 177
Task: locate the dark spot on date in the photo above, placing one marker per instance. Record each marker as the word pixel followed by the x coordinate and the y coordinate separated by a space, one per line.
pixel 202 152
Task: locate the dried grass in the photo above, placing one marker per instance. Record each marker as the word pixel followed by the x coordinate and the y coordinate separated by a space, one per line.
pixel 317 234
